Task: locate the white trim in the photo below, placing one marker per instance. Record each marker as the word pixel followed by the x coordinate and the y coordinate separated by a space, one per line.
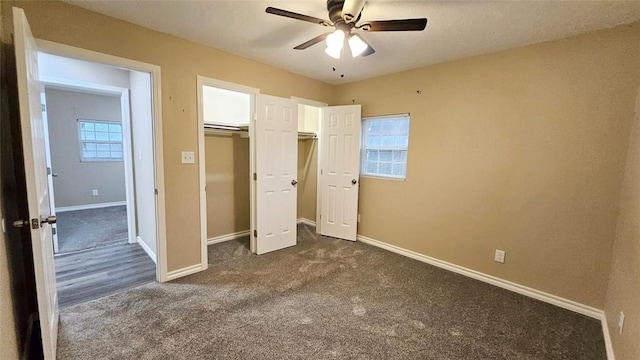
pixel 228 237
pixel 172 275
pixel 306 222
pixel 607 338
pixel 90 206
pixel 508 285
pixel 88 55
pixel 146 249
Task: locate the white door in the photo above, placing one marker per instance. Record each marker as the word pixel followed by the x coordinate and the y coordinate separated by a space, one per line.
pixel 50 171
pixel 36 177
pixel 339 171
pixel 276 167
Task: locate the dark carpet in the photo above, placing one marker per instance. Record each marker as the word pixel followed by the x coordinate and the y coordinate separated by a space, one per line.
pixel 88 229
pixel 324 299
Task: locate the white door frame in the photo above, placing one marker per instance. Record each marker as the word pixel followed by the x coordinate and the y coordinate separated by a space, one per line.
pixel 88 55
pixel 125 110
pixel 47 148
pixel 206 81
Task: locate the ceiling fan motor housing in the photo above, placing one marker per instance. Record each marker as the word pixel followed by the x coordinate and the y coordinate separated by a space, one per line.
pixel 335 14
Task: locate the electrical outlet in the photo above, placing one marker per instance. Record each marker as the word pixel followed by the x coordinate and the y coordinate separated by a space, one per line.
pixel 499 257
pixel 94 192
pixel 358 217
pixel 188 157
pixel 621 322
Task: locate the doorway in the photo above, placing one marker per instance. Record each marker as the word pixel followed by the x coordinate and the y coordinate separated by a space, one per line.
pixel 98 118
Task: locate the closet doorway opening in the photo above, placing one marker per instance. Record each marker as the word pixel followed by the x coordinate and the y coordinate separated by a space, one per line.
pixel 225 111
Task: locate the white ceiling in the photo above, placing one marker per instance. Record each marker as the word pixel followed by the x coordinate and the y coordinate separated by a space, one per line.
pixel 455 29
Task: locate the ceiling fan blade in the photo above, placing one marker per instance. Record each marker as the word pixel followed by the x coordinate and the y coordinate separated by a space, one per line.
pixel 395 25
pixel 292 15
pixel 312 42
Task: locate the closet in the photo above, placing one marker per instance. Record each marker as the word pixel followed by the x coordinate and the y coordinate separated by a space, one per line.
pixel 226 111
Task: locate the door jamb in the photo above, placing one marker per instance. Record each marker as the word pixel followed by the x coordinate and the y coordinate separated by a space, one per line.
pixel 89 55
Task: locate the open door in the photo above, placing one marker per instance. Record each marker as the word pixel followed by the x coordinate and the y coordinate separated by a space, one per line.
pixel 275 137
pixel 35 163
pixel 339 171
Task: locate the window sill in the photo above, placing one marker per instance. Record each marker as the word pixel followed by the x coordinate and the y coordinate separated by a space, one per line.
pixel 380 177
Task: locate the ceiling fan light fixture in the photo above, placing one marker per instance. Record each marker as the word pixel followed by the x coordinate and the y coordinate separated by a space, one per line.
pixel 357 45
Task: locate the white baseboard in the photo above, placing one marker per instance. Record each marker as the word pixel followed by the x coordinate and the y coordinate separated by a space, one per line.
pixel 508 285
pixel 306 221
pixel 607 338
pixel 146 249
pixel 172 275
pixel 90 206
pixel 228 237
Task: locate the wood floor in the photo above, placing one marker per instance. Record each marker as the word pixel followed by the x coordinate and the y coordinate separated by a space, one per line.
pixel 95 273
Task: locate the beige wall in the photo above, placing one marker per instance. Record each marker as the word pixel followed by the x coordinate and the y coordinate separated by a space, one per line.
pixel 522 150
pixel 307 178
pixel 623 293
pixel 180 61
pixel 227 176
pixel 76 179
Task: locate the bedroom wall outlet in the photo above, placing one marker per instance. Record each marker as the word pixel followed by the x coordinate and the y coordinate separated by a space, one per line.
pixel 94 192
pixel 188 157
pixel 499 257
pixel 621 322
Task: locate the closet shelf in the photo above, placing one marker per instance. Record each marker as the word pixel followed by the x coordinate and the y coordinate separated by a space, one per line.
pixel 244 129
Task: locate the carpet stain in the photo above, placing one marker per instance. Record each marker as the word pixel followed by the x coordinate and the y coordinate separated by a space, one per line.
pixel 417 324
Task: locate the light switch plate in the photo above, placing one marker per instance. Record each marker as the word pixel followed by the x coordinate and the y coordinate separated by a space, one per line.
pixel 499 257
pixel 188 157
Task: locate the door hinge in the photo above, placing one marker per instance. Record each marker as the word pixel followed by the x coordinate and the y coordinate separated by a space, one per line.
pixel 155 191
pixel 48 170
pixel 35 223
pixel 44 107
pixel 255 233
pixel 53 230
pixel 255 116
pixel 255 176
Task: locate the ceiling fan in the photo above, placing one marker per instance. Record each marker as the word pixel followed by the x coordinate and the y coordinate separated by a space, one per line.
pixel 344 15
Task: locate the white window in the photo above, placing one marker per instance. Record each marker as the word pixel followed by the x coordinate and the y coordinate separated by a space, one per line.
pixel 385 140
pixel 100 140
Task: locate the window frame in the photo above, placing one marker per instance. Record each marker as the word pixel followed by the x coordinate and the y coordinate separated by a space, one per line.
pixel 82 142
pixel 364 147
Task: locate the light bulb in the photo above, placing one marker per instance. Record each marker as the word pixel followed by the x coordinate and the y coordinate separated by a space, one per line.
pixel 333 52
pixel 335 40
pixel 357 45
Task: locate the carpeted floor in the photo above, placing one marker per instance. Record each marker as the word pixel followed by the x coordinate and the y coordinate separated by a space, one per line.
pixel 88 229
pixel 323 299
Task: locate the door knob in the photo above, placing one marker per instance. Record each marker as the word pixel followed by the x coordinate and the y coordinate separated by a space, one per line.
pixel 293 182
pixel 54 174
pixel 48 220
pixel 354 181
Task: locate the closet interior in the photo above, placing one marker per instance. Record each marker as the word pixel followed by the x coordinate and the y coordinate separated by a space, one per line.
pixel 227 114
